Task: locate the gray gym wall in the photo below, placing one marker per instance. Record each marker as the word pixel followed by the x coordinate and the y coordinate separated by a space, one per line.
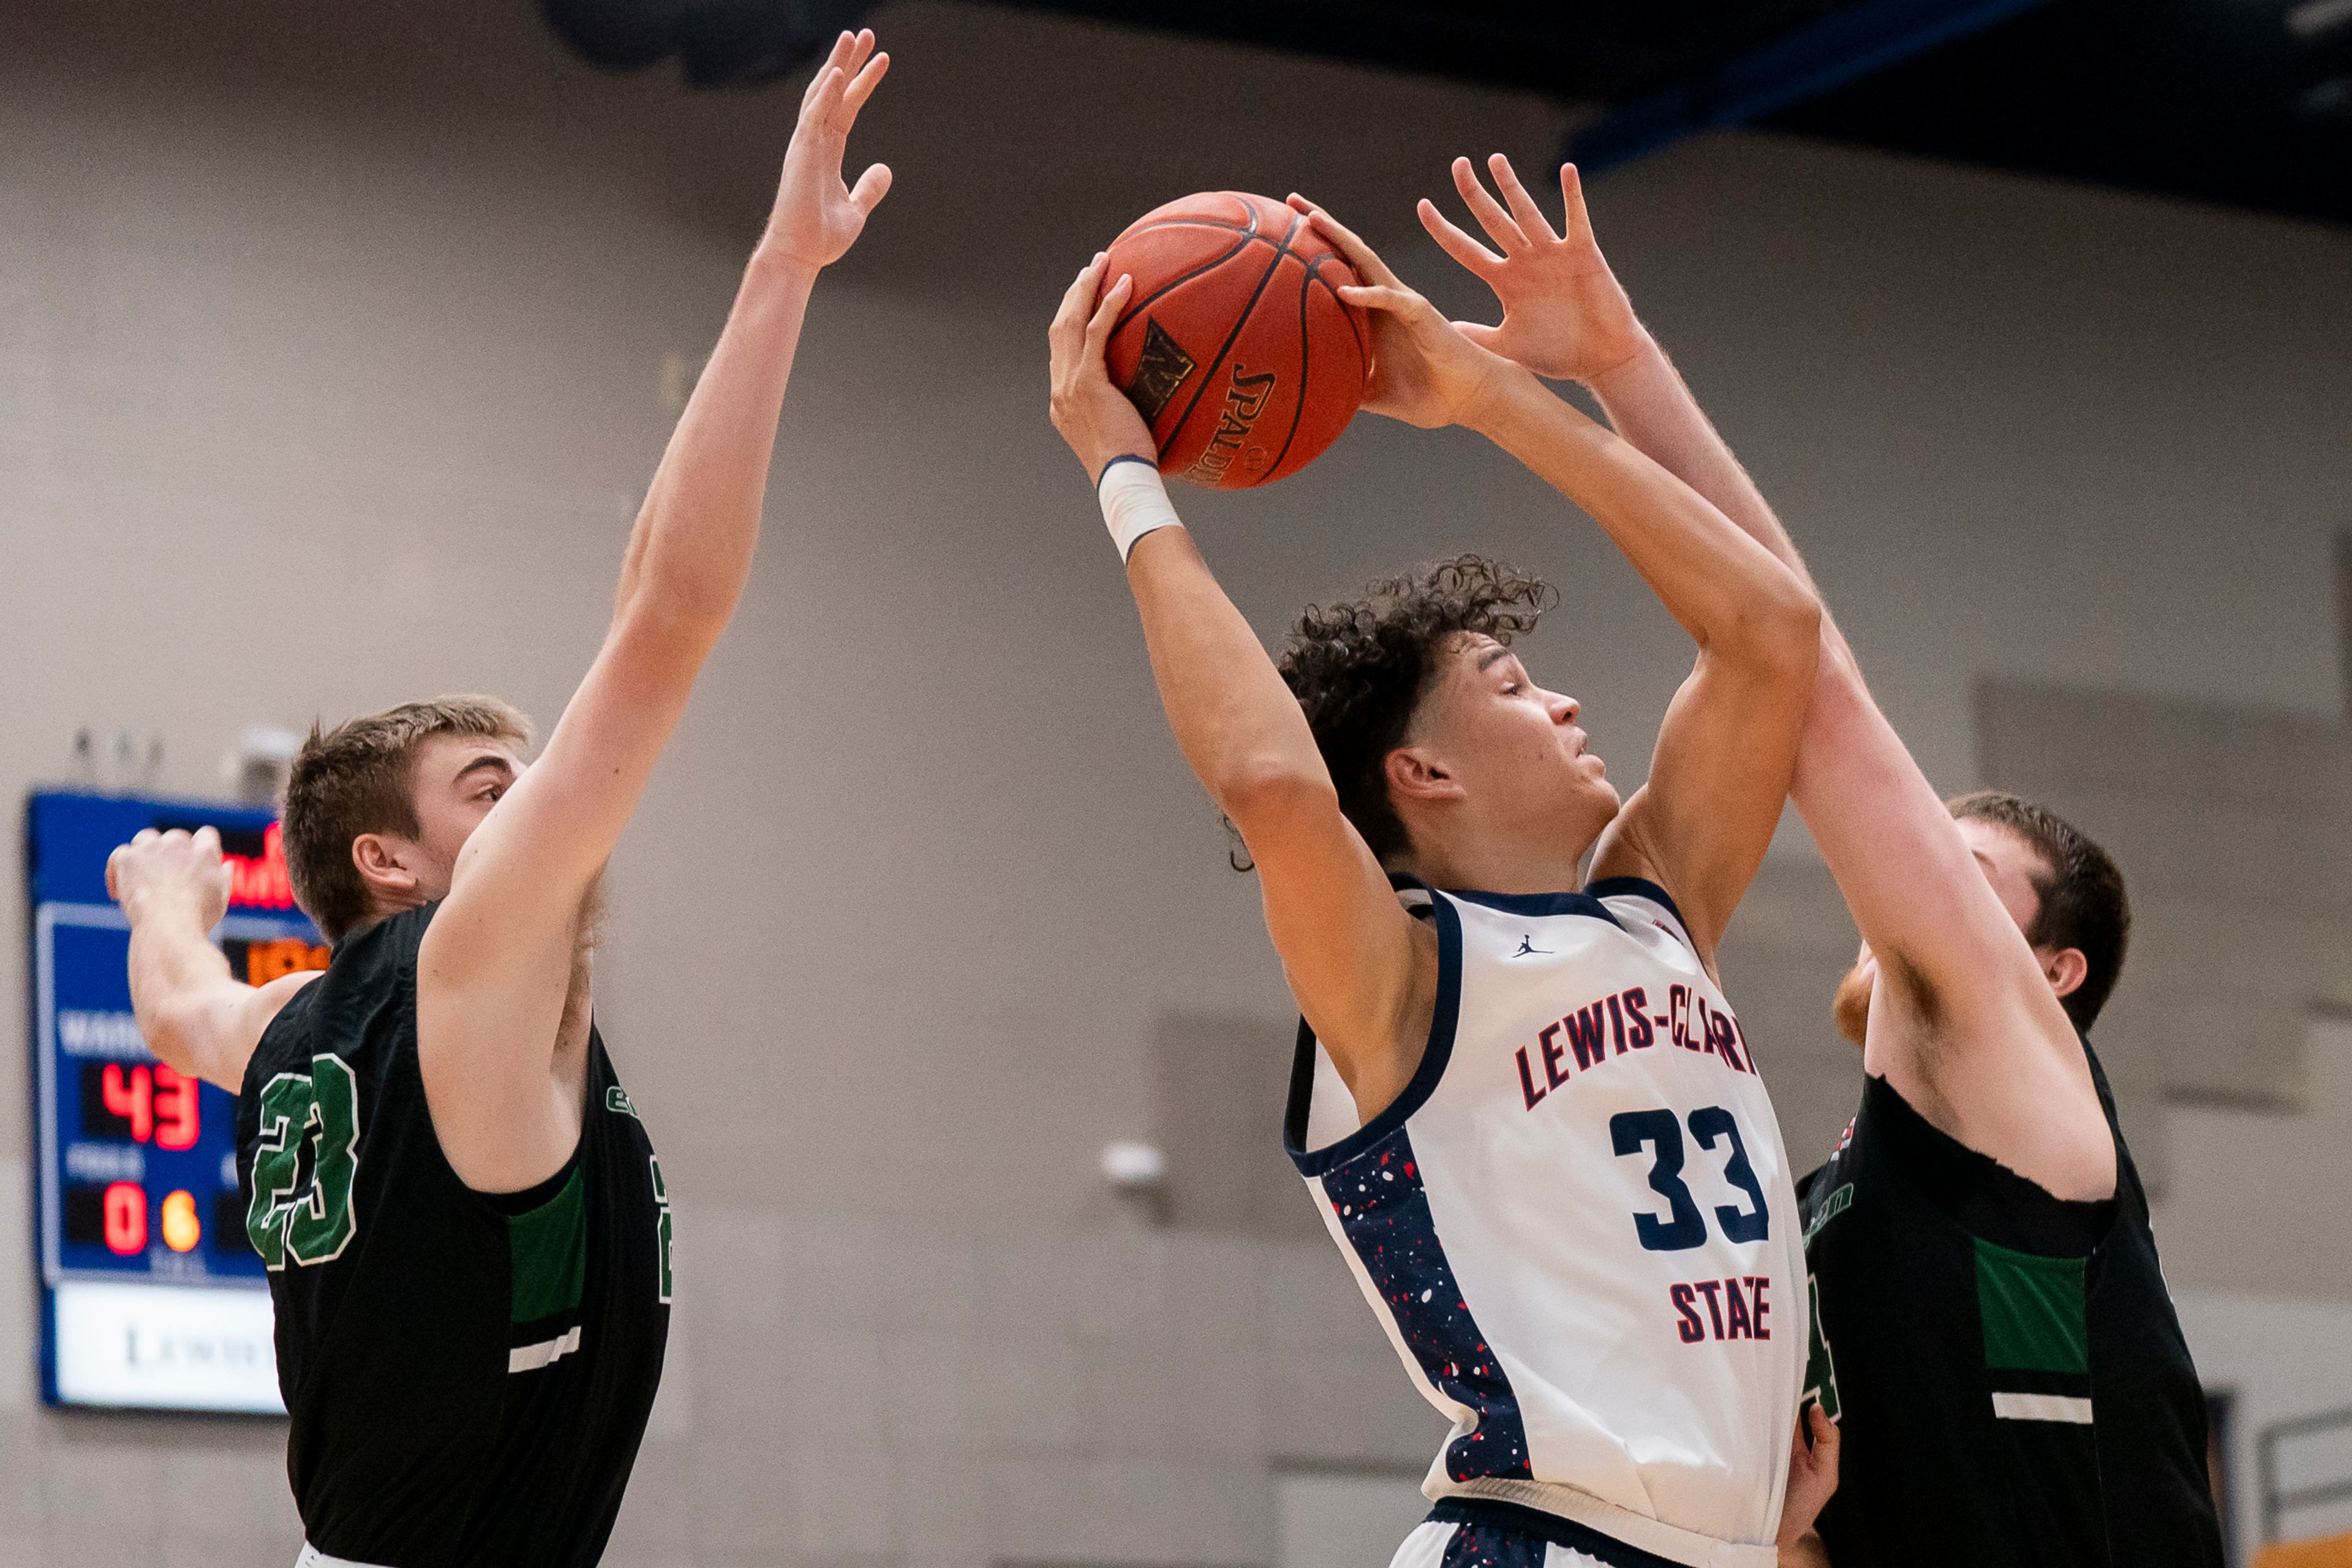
pixel 336 347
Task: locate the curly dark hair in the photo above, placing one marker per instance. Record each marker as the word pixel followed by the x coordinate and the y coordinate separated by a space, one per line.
pixel 1361 668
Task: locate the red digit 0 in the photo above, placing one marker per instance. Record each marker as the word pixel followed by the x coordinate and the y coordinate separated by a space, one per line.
pixel 176 1109
pixel 126 1219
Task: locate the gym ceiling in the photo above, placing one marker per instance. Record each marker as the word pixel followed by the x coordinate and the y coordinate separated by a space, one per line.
pixel 2243 103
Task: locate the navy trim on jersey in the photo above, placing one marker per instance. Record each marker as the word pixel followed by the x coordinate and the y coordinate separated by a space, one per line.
pixel 1433 1057
pixel 1639 888
pixel 1382 1208
pixel 1541 904
pixel 1482 1545
pixel 1513 1518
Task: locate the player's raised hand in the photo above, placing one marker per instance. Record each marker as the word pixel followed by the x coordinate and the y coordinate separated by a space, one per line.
pixel 1094 417
pixel 1564 314
pixel 1423 371
pixel 817 216
pixel 177 868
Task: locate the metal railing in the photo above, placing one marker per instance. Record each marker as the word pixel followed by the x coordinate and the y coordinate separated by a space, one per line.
pixel 2278 1501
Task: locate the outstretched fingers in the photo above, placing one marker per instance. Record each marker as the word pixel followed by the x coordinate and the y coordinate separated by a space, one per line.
pixel 871 187
pixel 824 98
pixel 1360 256
pixel 860 88
pixel 1500 227
pixel 1532 220
pixel 837 58
pixel 1575 222
pixel 1453 242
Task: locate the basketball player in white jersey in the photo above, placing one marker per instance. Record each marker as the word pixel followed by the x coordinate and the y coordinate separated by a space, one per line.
pixel 1986 1149
pixel 1539 1135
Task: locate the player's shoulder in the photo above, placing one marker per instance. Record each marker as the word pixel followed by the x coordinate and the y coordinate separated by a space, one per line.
pixel 372 973
pixel 384 951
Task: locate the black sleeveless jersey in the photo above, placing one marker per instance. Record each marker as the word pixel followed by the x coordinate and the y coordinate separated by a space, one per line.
pixel 469 1376
pixel 2006 1367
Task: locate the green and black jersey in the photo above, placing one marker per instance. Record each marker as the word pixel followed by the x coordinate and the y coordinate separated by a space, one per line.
pixel 2006 1367
pixel 469 1376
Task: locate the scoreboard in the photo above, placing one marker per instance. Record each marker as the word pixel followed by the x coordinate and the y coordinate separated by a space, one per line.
pixel 152 1296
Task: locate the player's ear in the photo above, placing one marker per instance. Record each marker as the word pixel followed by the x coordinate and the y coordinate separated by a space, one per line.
pixel 2065 968
pixel 381 863
pixel 1416 774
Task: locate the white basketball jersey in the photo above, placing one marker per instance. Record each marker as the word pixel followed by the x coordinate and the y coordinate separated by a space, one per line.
pixel 1576 1224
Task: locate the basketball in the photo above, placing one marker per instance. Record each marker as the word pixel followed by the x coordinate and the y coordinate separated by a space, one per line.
pixel 1235 347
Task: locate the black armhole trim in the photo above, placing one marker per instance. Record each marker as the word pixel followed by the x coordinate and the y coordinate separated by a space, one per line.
pixel 1433 1057
pixel 1302 1089
pixel 1980 1194
pixel 515 1204
pixel 1640 888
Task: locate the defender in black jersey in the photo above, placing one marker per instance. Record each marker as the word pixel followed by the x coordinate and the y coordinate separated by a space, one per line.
pixel 468 1373
pixel 2006 1366
pixel 466 1227
pixel 2008 1375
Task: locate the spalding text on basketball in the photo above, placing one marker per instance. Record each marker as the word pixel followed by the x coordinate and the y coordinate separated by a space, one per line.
pixel 1245 397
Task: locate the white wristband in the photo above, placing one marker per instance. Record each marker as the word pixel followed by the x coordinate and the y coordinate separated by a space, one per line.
pixel 1134 503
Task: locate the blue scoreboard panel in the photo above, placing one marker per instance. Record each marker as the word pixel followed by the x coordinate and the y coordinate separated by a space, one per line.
pixel 152 1296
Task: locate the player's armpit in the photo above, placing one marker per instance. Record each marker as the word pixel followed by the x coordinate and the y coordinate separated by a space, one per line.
pixel 1364 972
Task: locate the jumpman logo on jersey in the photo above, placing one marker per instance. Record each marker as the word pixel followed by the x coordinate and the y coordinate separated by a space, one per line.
pixel 1527 946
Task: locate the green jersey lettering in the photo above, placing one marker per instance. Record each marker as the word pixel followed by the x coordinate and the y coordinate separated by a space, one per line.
pixel 307 1213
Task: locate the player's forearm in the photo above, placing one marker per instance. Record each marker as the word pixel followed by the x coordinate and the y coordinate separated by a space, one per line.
pixel 1726 589
pixel 690 551
pixel 178 980
pixel 1237 724
pixel 1651 406
pixel 1855 782
pixel 1883 831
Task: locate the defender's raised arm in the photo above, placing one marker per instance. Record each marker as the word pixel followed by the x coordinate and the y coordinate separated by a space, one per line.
pixel 1981 1044
pixel 1701 825
pixel 497 963
pixel 193 1013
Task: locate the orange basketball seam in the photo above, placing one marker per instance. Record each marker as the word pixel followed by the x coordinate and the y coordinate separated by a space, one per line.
pixel 1241 319
pixel 1298 402
pixel 1137 307
pixel 1346 311
pixel 1186 223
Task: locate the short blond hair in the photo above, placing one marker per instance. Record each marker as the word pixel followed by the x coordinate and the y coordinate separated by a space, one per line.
pixel 355 779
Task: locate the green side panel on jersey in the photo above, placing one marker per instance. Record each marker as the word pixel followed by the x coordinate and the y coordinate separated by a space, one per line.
pixel 549 1248
pixel 2034 1310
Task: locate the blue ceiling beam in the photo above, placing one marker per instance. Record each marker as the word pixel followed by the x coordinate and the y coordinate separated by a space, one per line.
pixel 1843 47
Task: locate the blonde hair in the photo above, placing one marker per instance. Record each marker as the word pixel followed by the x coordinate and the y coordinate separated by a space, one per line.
pixel 355 779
